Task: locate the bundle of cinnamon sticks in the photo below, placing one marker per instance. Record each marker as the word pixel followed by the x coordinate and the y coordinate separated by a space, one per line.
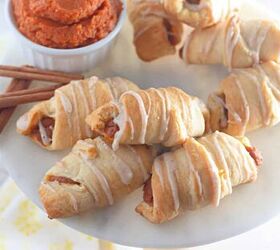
pixel 18 93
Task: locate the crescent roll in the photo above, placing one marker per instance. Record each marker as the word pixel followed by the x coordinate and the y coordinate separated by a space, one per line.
pixel 165 115
pixel 248 99
pixel 235 43
pixel 155 33
pixel 199 173
pixel 94 176
pixel 60 122
pixel 201 13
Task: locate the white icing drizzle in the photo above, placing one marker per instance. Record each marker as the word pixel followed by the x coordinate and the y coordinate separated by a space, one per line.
pixel 231 39
pixel 275 90
pixel 121 121
pixel 170 170
pixel 243 96
pixel 112 88
pixel 258 84
pixel 158 170
pixel 256 40
pixel 190 165
pixel 66 103
pixel 73 201
pixel 101 178
pixel 164 115
pixel 262 103
pixel 48 186
pixel 67 106
pixel 85 143
pixel 120 84
pixel 87 107
pixel 118 164
pixel 91 86
pixel 233 154
pixel 144 115
pixel 212 39
pixel 43 134
pixel 131 128
pixel 215 180
pixel 76 110
pixel 23 122
pixel 219 100
pixel 140 163
pixel 223 161
pixel 185 117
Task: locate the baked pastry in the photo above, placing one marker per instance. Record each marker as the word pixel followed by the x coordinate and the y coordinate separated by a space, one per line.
pixel 155 33
pixel 165 115
pixel 199 173
pixel 93 176
pixel 248 99
pixel 201 13
pixel 235 43
pixel 60 122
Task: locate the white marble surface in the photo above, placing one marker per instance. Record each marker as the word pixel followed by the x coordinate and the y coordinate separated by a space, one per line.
pixel 264 237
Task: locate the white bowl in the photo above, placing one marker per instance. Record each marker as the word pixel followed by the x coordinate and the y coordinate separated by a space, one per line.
pixel 69 60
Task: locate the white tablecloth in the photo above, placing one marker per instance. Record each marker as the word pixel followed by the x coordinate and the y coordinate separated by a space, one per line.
pixel 23 226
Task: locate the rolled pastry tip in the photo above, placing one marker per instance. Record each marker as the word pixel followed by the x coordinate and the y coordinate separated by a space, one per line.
pixel 199 173
pixel 92 176
pixel 234 43
pixel 59 123
pixel 166 116
pixel 201 13
pixel 248 99
pixel 155 33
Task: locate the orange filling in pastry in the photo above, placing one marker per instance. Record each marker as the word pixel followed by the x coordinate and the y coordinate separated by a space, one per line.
pixel 193 1
pixel 43 132
pixel 111 129
pixel 148 192
pixel 173 40
pixel 224 116
pixel 255 154
pixel 62 180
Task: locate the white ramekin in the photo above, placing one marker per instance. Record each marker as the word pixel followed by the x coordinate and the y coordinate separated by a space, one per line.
pixel 69 60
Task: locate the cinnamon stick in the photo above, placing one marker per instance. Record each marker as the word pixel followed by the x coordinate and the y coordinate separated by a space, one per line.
pixel 31 69
pixel 12 101
pixel 34 76
pixel 6 113
pixel 30 91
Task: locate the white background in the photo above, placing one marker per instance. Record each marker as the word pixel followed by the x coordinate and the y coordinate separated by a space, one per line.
pixel 264 237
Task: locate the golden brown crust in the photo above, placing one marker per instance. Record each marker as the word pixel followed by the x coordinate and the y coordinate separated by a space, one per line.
pixel 199 173
pixel 93 175
pixel 165 115
pixel 236 43
pixel 200 13
pixel 247 100
pixel 69 108
pixel 151 23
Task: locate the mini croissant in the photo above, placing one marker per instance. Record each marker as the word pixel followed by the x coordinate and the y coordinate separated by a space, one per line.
pixel 200 13
pixel 235 43
pixel 248 99
pixel 165 115
pixel 155 33
pixel 199 173
pixel 60 122
pixel 94 176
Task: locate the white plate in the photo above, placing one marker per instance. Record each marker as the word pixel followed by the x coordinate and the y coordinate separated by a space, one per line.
pixel 248 207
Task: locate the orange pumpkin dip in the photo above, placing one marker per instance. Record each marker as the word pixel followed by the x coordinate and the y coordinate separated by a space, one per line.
pixel 66 23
